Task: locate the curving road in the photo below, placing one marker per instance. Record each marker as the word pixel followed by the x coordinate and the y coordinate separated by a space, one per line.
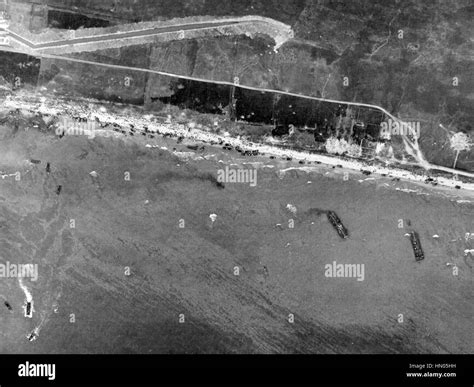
pixel 196 26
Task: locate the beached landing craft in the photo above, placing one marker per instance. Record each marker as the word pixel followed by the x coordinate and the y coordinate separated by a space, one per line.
pixel 415 243
pixel 337 224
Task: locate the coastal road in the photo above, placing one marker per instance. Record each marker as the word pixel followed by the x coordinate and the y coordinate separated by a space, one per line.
pixel 122 35
pixel 280 28
pixel 412 145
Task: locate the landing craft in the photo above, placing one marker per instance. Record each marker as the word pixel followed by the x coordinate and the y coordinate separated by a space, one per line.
pixel 28 311
pixel 337 224
pixel 415 243
pixel 32 336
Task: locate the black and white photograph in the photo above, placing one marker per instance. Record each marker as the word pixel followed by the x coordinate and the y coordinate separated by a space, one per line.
pixel 256 181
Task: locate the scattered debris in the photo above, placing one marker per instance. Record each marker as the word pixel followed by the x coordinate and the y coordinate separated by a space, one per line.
pixel 337 224
pixel 467 251
pixel 213 217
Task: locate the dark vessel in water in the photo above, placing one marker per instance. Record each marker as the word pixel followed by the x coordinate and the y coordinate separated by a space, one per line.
pixel 415 243
pixel 29 309
pixel 337 224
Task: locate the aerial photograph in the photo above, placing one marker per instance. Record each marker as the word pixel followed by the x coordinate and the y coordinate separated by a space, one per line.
pixel 236 177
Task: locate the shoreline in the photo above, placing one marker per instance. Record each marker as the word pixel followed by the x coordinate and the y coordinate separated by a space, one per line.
pixel 143 123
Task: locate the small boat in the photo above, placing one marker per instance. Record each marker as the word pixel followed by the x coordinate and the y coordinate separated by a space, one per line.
pixel 28 311
pixel 337 224
pixel 415 243
pixel 32 336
